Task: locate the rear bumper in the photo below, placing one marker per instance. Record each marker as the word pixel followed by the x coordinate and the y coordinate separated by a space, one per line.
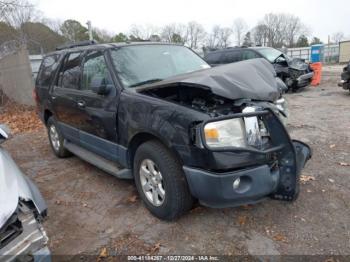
pixel 218 190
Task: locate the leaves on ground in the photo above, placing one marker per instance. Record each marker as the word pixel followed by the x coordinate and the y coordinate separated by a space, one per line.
pixel 20 118
pixel 279 237
pixel 155 248
pixel 103 253
pixel 304 178
pixel 133 199
pixel 242 220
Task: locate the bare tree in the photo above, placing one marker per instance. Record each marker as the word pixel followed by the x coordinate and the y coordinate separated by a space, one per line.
pixel 225 34
pixel 195 34
pixel 53 24
pixel 213 37
pixel 279 30
pixel 219 37
pixel 143 32
pixel 260 35
pixel 174 33
pixel 239 29
pixel 6 6
pixel 293 29
pixel 21 13
pixel 337 37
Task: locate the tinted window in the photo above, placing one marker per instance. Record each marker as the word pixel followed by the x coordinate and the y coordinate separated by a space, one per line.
pixel 47 70
pixel 248 54
pixel 94 66
pixel 213 58
pixel 70 73
pixel 232 56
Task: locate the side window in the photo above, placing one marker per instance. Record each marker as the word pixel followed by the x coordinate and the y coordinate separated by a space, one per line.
pixel 213 58
pixel 94 67
pixel 248 54
pixel 47 70
pixel 69 76
pixel 232 56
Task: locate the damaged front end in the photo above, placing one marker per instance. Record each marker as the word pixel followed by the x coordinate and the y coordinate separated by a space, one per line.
pixel 345 78
pixel 238 150
pixel 272 165
pixel 241 152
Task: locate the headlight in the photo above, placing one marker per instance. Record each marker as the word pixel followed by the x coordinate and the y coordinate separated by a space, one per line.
pixel 225 133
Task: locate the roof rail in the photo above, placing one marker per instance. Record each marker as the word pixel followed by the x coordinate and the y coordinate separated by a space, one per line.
pixel 81 43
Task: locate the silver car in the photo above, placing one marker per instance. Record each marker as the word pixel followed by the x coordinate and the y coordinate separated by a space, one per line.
pixel 22 209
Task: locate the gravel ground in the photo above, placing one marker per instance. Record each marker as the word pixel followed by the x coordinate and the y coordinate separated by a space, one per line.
pixel 90 210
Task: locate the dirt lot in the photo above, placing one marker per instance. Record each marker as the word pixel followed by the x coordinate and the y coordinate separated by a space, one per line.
pixel 90 210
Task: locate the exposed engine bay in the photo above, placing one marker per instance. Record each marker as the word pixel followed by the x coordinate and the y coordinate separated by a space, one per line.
pixel 203 100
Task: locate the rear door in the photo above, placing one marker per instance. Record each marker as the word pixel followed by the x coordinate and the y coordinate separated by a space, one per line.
pixel 98 113
pixel 65 95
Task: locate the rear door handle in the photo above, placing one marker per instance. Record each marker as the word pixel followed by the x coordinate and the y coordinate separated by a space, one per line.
pixel 81 103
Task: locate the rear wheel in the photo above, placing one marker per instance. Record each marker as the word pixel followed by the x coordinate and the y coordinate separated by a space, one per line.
pixel 56 139
pixel 161 182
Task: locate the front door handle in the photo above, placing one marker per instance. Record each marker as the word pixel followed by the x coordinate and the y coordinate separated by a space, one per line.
pixel 81 104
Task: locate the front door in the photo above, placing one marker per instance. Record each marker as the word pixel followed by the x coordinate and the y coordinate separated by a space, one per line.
pixel 98 113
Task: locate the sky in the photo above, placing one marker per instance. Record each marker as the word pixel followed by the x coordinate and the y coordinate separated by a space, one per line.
pixel 323 17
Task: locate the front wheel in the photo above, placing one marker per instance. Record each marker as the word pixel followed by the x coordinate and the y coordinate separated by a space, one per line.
pixel 161 182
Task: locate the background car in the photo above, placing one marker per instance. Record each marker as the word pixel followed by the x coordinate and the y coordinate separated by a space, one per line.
pixel 22 209
pixel 345 78
pixel 295 73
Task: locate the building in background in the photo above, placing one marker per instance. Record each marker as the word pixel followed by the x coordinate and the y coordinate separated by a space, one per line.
pixel 344 51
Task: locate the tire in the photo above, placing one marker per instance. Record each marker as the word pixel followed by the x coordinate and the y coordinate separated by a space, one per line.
pixel 56 139
pixel 177 198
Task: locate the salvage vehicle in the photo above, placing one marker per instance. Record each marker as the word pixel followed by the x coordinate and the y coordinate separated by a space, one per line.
pixel 345 78
pixel 22 209
pixel 157 113
pixel 294 72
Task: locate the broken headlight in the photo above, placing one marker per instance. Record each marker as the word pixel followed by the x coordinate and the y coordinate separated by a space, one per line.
pixel 225 133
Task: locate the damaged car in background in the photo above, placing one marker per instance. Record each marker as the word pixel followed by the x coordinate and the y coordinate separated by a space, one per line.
pixel 158 114
pixel 345 78
pixel 22 208
pixel 294 72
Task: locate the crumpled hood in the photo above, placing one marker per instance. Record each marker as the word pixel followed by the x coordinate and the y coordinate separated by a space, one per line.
pixel 252 79
pixel 297 63
pixel 14 185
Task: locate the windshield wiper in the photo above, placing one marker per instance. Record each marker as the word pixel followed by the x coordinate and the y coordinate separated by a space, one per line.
pixel 149 81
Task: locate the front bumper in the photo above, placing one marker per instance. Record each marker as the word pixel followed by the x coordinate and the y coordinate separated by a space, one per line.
pixel 344 84
pixel 304 80
pixel 30 245
pixel 277 176
pixel 217 189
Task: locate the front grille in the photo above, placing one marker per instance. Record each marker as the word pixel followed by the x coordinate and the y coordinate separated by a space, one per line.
pixel 10 230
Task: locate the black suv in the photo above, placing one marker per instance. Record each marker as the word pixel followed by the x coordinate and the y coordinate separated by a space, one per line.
pixel 294 72
pixel 157 113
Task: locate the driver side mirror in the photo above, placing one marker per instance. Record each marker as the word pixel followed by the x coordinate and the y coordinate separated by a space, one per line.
pixel 5 133
pixel 99 86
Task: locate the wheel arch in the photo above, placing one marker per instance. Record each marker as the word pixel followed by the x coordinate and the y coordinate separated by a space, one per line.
pixel 143 137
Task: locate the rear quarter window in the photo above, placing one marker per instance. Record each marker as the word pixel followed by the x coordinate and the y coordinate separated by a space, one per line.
pixel 47 70
pixel 213 58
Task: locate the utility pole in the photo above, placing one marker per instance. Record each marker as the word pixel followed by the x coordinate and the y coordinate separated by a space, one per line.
pixel 90 30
